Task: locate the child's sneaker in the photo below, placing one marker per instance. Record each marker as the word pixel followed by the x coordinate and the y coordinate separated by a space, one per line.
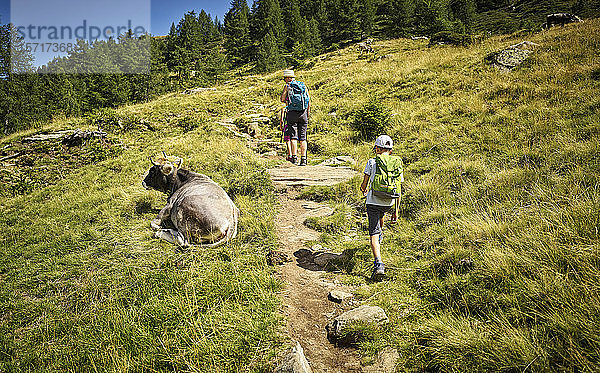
pixel 294 159
pixel 302 161
pixel 378 271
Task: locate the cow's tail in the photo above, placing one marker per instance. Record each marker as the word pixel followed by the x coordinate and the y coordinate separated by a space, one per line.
pixel 231 231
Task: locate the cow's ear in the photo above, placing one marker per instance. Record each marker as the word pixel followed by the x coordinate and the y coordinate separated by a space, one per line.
pixel 167 168
pixel 179 162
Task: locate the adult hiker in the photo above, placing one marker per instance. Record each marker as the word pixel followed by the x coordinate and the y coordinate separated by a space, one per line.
pixel 295 95
pixel 383 175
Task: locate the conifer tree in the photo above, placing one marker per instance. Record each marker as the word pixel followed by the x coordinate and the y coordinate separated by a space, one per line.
pixel 431 16
pixel 236 32
pixel 401 17
pixel 267 17
pixel 343 20
pixel 269 56
pixel 316 42
pixel 464 11
pixel 367 17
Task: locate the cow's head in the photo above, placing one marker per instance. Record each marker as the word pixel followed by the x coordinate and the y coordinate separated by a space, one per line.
pixel 161 174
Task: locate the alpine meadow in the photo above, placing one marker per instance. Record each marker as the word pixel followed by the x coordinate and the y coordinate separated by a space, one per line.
pixel 493 265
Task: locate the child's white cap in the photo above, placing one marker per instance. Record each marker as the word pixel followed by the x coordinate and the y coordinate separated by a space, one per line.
pixel 384 142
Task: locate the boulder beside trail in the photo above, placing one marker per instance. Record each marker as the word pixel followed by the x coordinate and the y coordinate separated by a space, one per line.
pixel 339 296
pixel 338 327
pixel 294 362
pixel 321 256
pixel 511 57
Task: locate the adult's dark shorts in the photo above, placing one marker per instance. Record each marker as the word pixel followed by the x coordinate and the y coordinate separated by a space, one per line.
pixel 374 214
pixel 297 124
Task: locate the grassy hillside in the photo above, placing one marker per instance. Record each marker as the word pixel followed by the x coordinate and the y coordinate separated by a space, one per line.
pixel 493 266
pixel 495 263
pixel 529 15
pixel 83 285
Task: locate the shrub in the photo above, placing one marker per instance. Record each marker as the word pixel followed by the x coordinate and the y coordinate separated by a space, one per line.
pixel 450 37
pixel 371 120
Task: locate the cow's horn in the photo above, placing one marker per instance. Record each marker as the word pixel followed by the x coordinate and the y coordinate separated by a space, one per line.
pixel 179 162
pixel 152 161
pixel 165 155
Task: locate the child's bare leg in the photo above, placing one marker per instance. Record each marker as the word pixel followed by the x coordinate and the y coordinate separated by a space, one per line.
pixel 375 247
pixel 294 147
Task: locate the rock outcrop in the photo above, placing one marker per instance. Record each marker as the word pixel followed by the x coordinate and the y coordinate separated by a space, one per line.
pixel 337 329
pixel 294 362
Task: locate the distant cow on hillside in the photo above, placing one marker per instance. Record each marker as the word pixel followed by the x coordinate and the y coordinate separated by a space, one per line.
pixel 365 47
pixel 198 209
pixel 560 19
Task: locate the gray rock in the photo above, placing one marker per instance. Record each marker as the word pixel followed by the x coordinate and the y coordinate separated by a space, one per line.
pixel 339 296
pixel 511 57
pixel 319 212
pixel 322 259
pixel 277 258
pixel 364 314
pixel 318 248
pixel 258 118
pixel 294 362
pixel 339 160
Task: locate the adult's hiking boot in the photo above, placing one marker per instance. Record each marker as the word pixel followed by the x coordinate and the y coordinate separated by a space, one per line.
pixel 378 271
pixel 302 161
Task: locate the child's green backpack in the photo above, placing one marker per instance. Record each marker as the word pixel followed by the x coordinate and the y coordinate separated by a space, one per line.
pixel 388 176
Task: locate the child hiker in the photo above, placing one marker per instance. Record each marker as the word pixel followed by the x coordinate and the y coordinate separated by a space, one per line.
pixel 285 134
pixel 383 175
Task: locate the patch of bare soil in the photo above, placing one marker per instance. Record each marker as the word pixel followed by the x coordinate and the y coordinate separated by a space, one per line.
pixel 305 302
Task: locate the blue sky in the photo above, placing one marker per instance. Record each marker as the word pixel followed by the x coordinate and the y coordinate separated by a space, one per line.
pixel 163 12
pixel 166 12
pixel 57 24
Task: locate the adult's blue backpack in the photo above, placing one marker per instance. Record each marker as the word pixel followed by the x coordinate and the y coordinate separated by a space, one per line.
pixel 297 96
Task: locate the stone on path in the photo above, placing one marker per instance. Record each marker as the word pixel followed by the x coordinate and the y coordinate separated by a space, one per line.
pixel 363 314
pixel 339 160
pixel 291 175
pixel 320 212
pixel 275 257
pixel 339 296
pixel 294 362
pixel 323 259
pixel 321 256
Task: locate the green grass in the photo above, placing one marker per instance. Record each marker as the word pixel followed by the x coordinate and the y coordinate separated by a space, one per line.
pixel 85 287
pixel 493 266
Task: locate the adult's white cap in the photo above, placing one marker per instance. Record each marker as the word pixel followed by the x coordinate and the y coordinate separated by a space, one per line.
pixel 288 74
pixel 384 142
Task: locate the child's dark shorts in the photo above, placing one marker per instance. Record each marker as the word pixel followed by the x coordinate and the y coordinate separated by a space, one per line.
pixel 374 214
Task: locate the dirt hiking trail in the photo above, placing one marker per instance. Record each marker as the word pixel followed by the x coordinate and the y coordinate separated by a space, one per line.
pixel 305 302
